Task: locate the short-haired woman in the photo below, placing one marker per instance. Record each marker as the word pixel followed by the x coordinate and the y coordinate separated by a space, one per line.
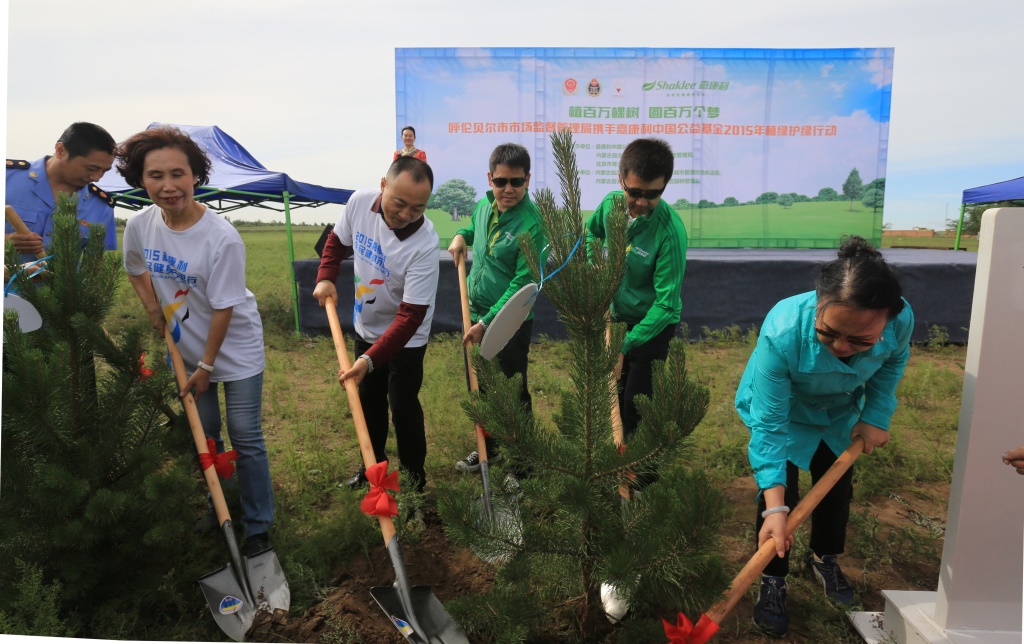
pixel 187 265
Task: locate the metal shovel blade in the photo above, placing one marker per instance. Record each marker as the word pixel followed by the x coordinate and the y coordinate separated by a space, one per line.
pixel 435 623
pixel 485 477
pixel 415 611
pixel 231 610
pixel 267 581
pixel 503 513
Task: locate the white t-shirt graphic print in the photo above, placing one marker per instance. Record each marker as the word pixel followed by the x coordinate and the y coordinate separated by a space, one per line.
pixel 195 271
pixel 388 271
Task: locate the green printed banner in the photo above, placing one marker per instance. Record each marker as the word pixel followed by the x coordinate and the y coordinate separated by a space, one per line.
pixel 773 147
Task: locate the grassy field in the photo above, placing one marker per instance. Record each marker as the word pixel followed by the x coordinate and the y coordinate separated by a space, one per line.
pixel 310 437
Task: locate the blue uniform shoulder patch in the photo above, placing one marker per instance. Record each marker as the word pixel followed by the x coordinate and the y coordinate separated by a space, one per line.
pixel 102 194
pixel 17 164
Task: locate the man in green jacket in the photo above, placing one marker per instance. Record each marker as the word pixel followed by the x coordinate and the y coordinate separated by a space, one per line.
pixel 499 268
pixel 649 300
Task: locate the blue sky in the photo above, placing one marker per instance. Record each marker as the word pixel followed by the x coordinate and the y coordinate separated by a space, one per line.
pixel 308 86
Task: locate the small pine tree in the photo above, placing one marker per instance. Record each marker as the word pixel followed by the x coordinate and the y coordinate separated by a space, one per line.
pixel 93 486
pixel 576 532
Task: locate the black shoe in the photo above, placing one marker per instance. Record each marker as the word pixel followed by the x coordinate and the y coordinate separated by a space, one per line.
pixel 358 479
pixel 770 610
pixel 837 587
pixel 472 462
pixel 255 544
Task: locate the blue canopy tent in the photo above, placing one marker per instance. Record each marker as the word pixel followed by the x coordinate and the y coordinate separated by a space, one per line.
pixel 237 180
pixel 1012 190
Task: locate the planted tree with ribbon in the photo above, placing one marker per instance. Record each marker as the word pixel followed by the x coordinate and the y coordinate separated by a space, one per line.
pixel 96 491
pixel 576 533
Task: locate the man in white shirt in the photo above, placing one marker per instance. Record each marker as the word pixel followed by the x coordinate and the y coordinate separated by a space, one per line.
pixel 395 254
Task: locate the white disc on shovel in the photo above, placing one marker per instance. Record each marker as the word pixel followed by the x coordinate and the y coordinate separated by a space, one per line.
pixel 507 321
pixel 28 316
pixel 614 605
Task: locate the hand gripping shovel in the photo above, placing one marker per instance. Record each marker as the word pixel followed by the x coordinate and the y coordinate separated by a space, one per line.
pixel 417 614
pixel 506 512
pixel 246 585
pixel 684 632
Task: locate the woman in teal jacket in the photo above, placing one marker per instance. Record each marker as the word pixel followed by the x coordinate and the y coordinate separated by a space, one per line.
pixel 824 371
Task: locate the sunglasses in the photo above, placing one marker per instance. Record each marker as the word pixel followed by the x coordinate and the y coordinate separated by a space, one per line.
pixel 853 343
pixel 636 193
pixel 501 182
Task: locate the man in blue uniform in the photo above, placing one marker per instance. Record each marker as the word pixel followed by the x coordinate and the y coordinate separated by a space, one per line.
pixel 81 156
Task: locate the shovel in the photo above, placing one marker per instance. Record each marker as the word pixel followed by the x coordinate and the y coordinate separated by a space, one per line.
pixel 507 512
pixel 618 437
pixel 709 622
pixel 415 611
pixel 246 585
pixel 614 604
pixel 471 383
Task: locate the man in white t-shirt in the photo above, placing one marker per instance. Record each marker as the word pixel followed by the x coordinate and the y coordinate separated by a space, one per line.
pixel 395 255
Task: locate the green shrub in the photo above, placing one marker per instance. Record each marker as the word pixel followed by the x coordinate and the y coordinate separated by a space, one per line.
pixel 97 490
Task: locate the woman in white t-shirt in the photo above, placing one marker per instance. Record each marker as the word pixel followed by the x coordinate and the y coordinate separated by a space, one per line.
pixel 187 265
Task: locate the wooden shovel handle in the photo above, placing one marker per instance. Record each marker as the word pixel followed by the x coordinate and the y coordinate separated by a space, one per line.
pixel 220 506
pixel 19 226
pixel 617 434
pixel 764 554
pixel 467 323
pixel 387 525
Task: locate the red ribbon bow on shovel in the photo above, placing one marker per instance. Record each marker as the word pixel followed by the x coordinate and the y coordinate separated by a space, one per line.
pixel 144 373
pixel 223 462
pixel 377 501
pixel 684 632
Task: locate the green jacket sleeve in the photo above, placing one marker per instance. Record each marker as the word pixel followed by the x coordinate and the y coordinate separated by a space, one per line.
pixel 522 276
pixel 469 233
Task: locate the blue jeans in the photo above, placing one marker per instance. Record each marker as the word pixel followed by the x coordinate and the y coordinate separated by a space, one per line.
pixel 243 403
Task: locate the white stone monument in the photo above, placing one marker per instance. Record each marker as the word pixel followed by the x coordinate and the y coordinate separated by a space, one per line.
pixel 980 582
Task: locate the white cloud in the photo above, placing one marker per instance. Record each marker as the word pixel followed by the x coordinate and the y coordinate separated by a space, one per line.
pixel 881 74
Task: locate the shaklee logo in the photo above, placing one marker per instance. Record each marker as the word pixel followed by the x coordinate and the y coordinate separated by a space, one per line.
pixel 666 85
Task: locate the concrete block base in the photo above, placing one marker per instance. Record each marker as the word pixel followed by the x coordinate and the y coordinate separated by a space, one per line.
pixel 909 619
